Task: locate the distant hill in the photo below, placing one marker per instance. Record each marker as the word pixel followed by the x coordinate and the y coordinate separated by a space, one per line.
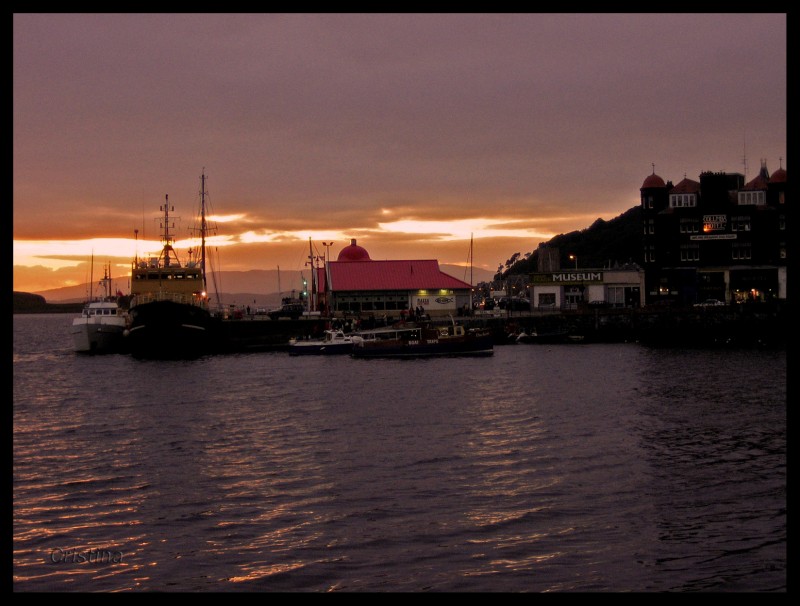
pixel 251 283
pixel 256 287
pixel 29 303
pixel 603 244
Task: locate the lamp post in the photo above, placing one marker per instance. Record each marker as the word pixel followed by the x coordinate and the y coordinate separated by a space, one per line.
pixel 327 245
pixel 574 258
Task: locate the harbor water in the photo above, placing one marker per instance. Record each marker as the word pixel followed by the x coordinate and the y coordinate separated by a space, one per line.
pixel 543 468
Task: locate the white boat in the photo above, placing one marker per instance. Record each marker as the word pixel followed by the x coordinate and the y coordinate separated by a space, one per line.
pixel 101 325
pixel 333 342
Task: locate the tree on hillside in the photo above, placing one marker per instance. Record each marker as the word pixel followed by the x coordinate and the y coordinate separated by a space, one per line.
pixel 603 244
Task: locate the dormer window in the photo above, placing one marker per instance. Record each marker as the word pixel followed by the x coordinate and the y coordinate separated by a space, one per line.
pixel 757 198
pixel 682 200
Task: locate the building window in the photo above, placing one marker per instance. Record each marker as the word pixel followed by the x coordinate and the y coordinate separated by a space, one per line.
pixel 616 296
pixel 690 226
pixel 690 252
pixel 682 200
pixel 547 299
pixel 782 222
pixel 758 198
pixel 740 223
pixel 741 251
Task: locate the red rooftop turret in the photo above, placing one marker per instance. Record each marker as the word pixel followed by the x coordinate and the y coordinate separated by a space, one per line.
pixel 354 252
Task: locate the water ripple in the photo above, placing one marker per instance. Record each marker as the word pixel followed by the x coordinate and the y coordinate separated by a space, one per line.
pixel 556 469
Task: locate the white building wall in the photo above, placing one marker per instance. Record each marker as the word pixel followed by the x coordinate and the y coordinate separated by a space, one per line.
pixel 596 292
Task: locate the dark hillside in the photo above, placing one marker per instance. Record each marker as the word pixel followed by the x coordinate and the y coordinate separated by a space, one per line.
pixel 603 244
pixel 29 303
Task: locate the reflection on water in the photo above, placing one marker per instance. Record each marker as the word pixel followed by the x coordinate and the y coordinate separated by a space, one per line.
pixel 719 481
pixel 543 468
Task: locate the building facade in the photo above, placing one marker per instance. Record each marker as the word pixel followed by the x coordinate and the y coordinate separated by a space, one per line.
pixel 356 285
pixel 571 289
pixel 716 238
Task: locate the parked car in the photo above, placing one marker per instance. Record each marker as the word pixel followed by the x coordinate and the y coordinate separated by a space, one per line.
pixel 709 303
pixel 288 310
pixel 515 303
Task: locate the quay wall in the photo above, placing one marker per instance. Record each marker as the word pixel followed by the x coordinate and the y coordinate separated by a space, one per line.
pixel 735 325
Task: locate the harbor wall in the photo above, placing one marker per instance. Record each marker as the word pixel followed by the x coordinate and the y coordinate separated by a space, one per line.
pixel 736 325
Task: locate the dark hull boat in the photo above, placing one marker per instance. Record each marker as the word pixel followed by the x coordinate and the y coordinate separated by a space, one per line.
pixel 167 329
pixel 169 315
pixel 422 341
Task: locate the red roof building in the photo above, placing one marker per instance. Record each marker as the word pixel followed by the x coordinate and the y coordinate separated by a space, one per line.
pixel 356 284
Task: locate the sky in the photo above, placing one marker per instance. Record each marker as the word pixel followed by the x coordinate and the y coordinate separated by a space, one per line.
pixel 457 137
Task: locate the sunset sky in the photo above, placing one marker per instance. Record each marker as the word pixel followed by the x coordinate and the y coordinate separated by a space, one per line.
pixel 409 132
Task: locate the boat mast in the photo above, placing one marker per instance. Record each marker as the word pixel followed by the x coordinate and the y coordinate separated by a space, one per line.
pixel 107 281
pixel 166 238
pixel 471 282
pixel 91 279
pixel 312 292
pixel 469 263
pixel 203 228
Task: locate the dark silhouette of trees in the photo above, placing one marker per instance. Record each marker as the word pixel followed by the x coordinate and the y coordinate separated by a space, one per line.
pixel 603 244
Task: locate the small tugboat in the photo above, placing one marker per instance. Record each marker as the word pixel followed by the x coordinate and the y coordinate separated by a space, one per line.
pixel 414 340
pixel 169 315
pixel 101 325
pixel 333 342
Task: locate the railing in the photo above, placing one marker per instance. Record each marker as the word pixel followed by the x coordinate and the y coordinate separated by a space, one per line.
pixel 175 297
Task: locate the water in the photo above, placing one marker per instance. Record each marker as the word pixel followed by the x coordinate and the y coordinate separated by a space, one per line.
pixel 559 468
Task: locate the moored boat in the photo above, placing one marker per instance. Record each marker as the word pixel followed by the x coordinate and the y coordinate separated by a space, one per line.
pixel 536 337
pixel 169 315
pixel 422 341
pixel 333 342
pixel 101 325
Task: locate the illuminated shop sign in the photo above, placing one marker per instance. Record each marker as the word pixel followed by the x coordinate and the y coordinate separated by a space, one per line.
pixel 714 222
pixel 435 302
pixel 714 237
pixel 583 276
pixel 568 276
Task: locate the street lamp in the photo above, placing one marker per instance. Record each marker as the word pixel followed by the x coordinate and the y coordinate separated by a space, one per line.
pixel 327 245
pixel 574 258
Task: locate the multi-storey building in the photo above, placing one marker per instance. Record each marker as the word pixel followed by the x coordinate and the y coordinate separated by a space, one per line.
pixel 719 238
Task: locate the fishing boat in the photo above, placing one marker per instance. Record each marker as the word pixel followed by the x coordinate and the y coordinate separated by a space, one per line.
pixel 169 312
pixel 418 340
pixel 333 342
pixel 101 325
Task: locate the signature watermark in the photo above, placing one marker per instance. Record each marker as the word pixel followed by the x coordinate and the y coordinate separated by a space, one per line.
pixel 92 556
